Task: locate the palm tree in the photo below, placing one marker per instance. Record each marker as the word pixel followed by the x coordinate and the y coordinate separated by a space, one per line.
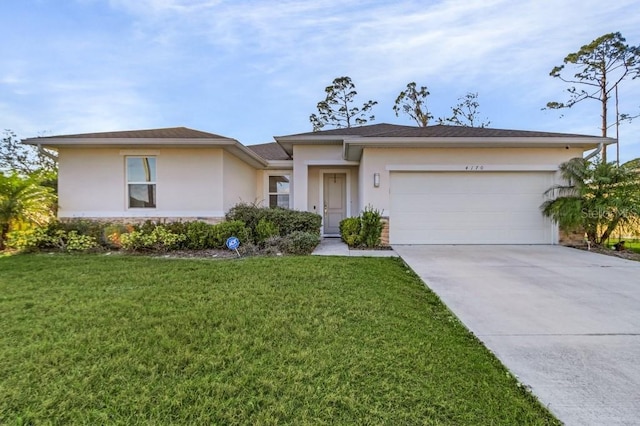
pixel 597 198
pixel 23 200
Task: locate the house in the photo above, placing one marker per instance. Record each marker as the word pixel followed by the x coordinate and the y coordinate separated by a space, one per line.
pixel 435 185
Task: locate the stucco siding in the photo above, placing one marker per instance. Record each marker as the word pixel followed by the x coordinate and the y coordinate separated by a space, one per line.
pixel 378 160
pixel 188 183
pixel 90 180
pixel 239 184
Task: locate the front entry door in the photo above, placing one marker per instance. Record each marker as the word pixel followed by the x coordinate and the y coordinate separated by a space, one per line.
pixel 335 201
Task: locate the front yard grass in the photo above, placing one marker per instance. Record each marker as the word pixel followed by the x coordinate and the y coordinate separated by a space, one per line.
pixel 97 339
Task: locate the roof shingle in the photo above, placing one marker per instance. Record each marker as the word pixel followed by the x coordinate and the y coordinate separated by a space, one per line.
pixel 437 131
pixel 270 151
pixel 166 133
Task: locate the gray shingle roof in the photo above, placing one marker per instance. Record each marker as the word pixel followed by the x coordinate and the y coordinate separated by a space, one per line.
pixel 166 133
pixel 270 151
pixel 437 131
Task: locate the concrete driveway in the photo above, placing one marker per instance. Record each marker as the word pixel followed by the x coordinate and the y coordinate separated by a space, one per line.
pixel 565 321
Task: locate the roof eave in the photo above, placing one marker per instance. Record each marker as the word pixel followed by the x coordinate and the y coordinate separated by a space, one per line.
pixel 353 147
pixel 230 145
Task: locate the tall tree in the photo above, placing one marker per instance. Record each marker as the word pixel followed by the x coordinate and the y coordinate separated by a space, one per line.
pixel 23 200
pixel 336 110
pixel 466 113
pixel 413 102
pixel 598 198
pixel 599 67
pixel 24 159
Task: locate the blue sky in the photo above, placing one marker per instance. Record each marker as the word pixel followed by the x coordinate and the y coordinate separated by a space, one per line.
pixel 250 69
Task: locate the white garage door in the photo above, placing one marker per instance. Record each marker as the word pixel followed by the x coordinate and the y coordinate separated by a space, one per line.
pixel 469 208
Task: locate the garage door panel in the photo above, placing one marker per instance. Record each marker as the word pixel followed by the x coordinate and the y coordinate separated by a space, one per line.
pixel 469 208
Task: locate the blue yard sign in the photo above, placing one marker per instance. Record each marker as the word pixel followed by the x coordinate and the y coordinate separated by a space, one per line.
pixel 233 243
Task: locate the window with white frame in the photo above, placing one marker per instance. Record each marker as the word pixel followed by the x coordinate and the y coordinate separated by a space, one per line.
pixel 141 182
pixel 279 186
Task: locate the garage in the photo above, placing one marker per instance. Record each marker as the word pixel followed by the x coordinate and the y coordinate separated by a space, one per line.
pixel 479 207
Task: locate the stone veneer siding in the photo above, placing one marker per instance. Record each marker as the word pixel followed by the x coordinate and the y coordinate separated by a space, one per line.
pixel 140 220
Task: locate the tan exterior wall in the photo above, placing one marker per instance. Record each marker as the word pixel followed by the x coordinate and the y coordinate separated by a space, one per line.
pixel 377 160
pixel 90 181
pixel 305 156
pixel 93 183
pixel 239 182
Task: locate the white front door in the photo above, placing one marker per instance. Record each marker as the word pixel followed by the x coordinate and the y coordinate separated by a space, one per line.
pixel 335 202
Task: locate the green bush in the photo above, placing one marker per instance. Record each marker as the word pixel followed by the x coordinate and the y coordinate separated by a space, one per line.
pixel 299 242
pixel 47 238
pixel 235 228
pixel 370 227
pixel 287 221
pixel 250 214
pixel 265 229
pixel 28 240
pixel 199 235
pixel 158 239
pixel 350 231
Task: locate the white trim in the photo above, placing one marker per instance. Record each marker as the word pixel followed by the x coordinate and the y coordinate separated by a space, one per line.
pixel 471 167
pixel 153 182
pixel 321 174
pixel 140 213
pixel 280 164
pixel 140 152
pixel 331 163
pixel 265 184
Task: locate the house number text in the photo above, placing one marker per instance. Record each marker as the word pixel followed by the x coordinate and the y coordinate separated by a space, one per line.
pixel 474 168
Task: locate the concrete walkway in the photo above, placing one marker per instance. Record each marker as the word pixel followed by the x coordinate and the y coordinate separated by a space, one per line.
pixel 565 321
pixel 335 247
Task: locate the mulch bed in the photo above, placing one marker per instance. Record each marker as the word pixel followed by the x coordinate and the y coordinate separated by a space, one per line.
pixel 624 254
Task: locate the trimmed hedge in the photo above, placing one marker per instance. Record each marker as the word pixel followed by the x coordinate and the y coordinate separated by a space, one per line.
pixel 285 220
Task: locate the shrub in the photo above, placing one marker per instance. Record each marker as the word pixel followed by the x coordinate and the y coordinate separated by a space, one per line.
pixel 234 228
pixel 199 235
pixel 350 231
pixel 159 239
pixel 28 240
pixel 287 221
pixel 250 214
pixel 265 229
pixel 46 238
pixel 370 227
pixel 111 234
pixel 299 242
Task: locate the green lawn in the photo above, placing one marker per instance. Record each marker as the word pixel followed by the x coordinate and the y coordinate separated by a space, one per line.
pixel 293 340
pixel 629 244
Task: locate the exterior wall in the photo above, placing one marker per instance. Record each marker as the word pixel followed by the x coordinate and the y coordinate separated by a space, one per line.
pixel 314 203
pixel 260 188
pixel 239 182
pixel 376 160
pixel 92 183
pixel 304 157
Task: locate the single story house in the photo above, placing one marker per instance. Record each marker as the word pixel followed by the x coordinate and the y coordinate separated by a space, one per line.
pixel 435 185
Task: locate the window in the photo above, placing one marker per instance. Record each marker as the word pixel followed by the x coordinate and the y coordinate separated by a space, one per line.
pixel 279 191
pixel 141 182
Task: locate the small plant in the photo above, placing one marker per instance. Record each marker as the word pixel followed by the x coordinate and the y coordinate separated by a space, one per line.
pixel 234 228
pixel 265 229
pixel 28 240
pixel 299 242
pixel 159 239
pixel 371 227
pixel 350 231
pixel 199 235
